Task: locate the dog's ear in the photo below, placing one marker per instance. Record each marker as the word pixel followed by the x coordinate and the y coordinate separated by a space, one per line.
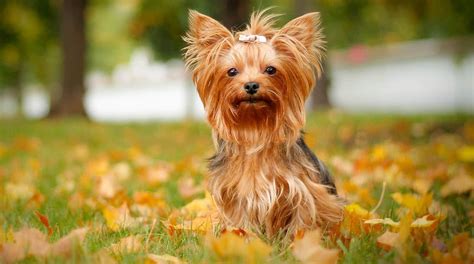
pixel 306 29
pixel 204 31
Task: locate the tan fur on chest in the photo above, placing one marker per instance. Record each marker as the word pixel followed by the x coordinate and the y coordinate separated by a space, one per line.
pixel 270 191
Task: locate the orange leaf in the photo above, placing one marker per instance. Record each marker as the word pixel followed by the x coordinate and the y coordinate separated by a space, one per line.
pixel 309 250
pixel 44 220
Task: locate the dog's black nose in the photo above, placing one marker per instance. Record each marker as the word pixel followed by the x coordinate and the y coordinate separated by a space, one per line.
pixel 251 87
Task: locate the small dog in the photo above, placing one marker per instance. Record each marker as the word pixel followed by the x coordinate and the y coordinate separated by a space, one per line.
pixel 253 85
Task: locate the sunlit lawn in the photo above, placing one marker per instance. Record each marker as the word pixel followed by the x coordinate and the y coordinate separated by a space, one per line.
pixel 131 180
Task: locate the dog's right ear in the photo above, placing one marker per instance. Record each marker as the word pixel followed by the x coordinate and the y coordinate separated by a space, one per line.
pixel 204 31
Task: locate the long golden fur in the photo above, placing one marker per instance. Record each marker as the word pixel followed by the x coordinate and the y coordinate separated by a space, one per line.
pixel 263 176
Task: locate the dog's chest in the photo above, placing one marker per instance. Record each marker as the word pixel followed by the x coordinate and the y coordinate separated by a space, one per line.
pixel 247 188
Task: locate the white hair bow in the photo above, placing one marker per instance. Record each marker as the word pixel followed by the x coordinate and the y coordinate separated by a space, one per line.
pixel 252 38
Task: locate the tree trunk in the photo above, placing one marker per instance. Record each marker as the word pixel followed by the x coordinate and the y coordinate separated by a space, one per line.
pixel 319 96
pixel 73 46
pixel 235 13
pixel 18 89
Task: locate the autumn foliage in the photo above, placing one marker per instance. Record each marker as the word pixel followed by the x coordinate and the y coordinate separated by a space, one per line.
pixel 85 192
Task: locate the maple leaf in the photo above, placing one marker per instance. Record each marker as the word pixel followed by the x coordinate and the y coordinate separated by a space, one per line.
pixel 308 249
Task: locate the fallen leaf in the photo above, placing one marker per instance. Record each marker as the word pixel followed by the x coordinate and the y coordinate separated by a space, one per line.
pixel 388 240
pixel 130 244
pixel 31 242
pixel 385 221
pixel 109 185
pixel 232 247
pixel 187 188
pixel 309 250
pixel 44 220
pixel 417 204
pixel 19 191
pixel 466 154
pixel 457 185
pixel 162 259
pixel 65 246
pixel 118 218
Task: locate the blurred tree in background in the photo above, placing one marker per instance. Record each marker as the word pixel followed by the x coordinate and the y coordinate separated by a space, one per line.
pixel 30 30
pixel 28 45
pixel 73 47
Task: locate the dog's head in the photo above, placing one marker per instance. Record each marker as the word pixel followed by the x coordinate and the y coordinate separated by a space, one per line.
pixel 254 83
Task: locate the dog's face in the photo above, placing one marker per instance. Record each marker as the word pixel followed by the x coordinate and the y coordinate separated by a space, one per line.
pixel 254 90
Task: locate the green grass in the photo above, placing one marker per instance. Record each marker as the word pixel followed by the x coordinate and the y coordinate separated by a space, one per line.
pixel 329 134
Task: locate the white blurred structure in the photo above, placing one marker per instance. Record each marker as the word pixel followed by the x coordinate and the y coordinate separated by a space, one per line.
pixel 415 77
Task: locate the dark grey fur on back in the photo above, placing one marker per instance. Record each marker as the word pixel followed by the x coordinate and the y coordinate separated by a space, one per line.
pixel 326 178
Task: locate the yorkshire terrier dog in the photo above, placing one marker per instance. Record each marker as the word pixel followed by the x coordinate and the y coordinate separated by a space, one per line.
pixel 253 85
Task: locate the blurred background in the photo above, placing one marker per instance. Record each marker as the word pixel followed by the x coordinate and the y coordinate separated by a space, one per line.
pixel 121 60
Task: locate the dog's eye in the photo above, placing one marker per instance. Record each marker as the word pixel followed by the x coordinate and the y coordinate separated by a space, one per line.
pixel 270 70
pixel 232 72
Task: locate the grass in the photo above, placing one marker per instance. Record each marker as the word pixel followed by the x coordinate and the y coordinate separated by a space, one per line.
pixel 48 155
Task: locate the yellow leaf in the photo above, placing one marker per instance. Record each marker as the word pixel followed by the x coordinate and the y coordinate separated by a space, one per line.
pixel 162 259
pixel 423 222
pixel 232 247
pixel 385 221
pixel 357 209
pixel 466 153
pixel 405 227
pixel 309 250
pixel 417 204
pixel 118 218
pixel 199 206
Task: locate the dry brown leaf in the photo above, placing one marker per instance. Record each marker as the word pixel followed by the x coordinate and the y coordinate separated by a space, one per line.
pixel 309 250
pixel 388 240
pixel 64 246
pixel 108 186
pixel 130 244
pixel 31 242
pixel 187 188
pixel 457 185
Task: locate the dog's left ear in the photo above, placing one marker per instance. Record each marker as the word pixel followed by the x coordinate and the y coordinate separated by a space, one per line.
pixel 306 29
pixel 204 31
